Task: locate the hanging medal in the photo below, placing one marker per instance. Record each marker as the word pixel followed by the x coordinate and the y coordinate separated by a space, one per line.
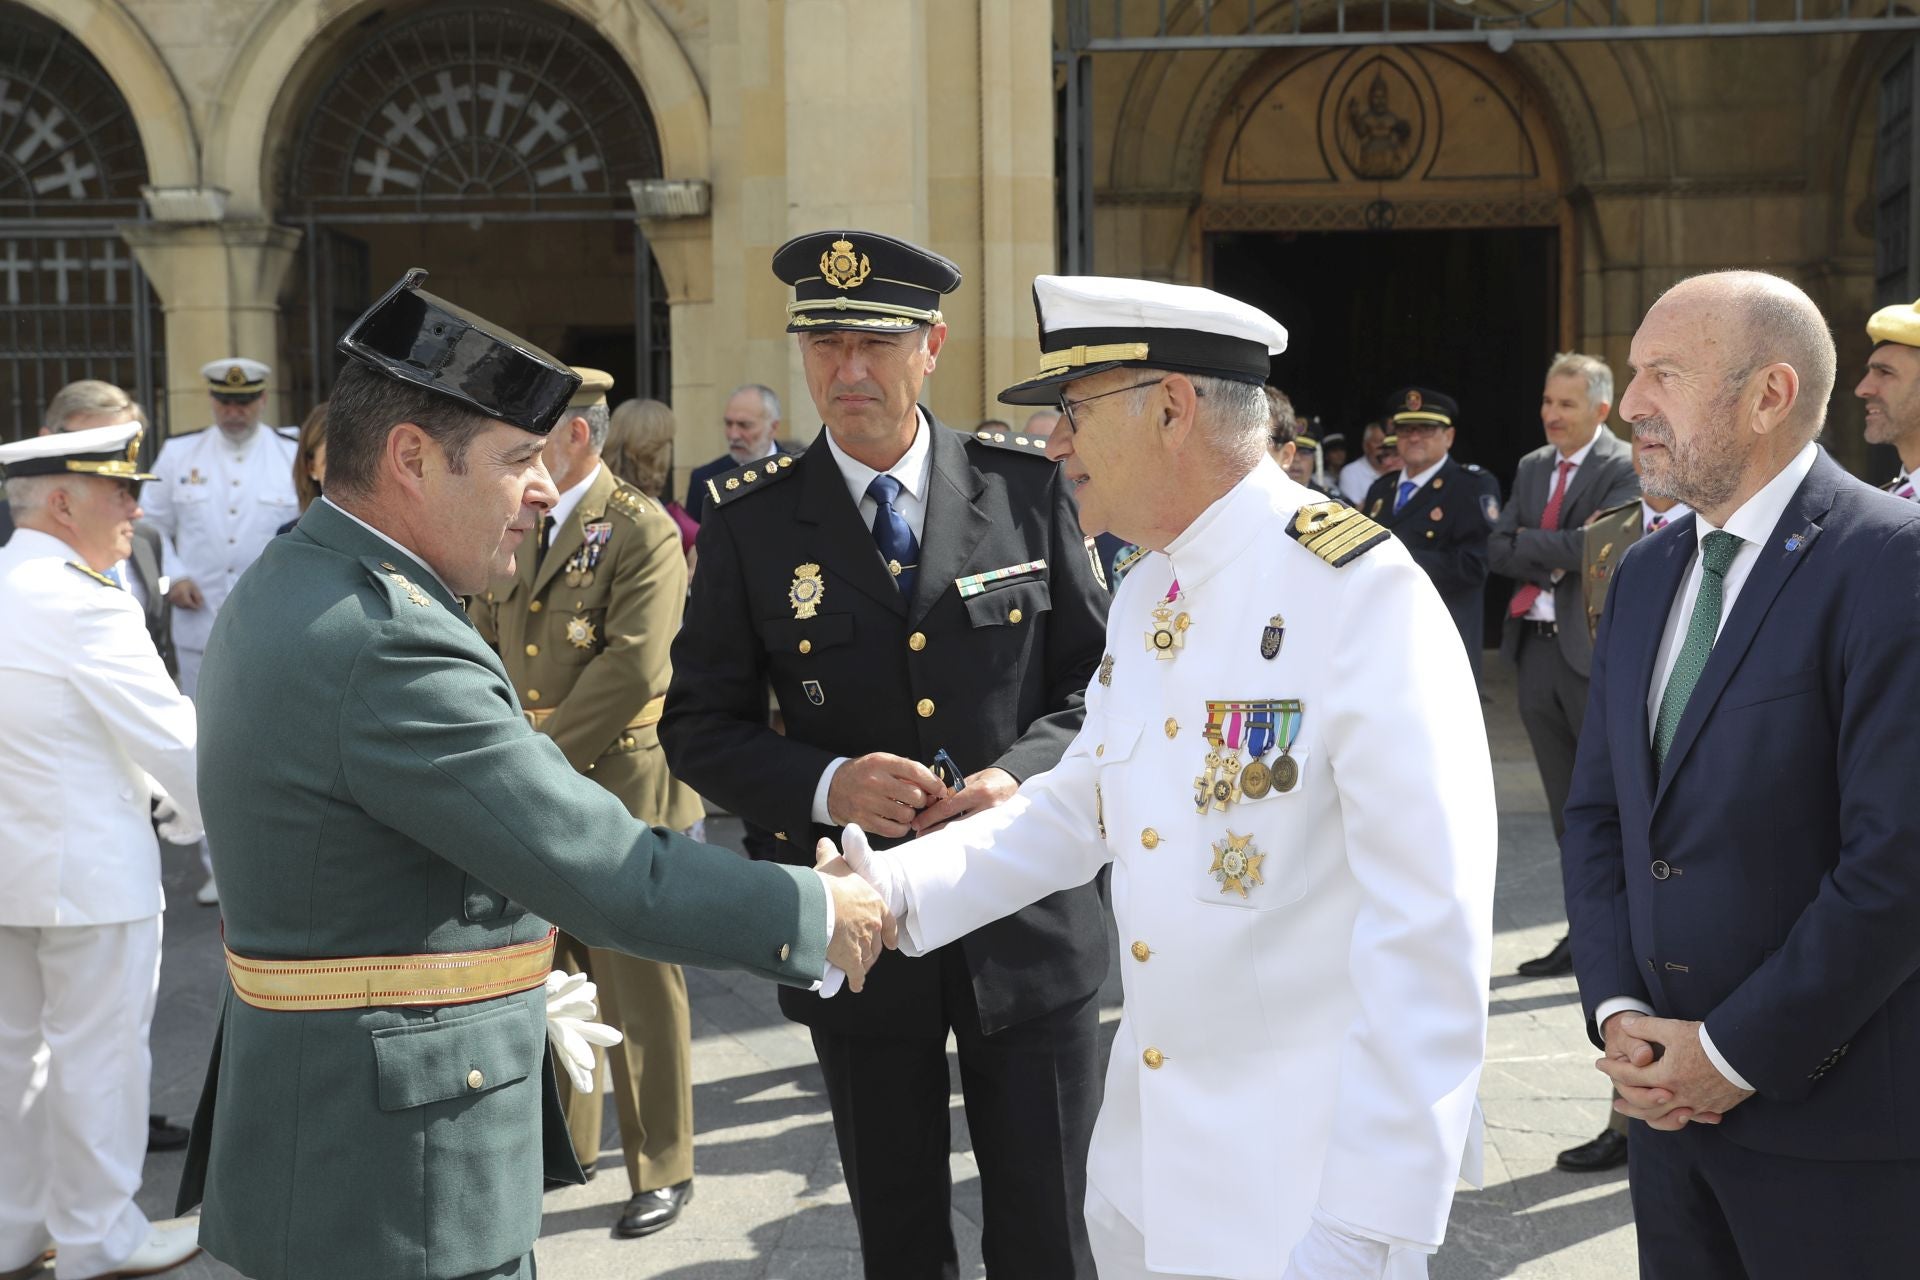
pixel 1256 780
pixel 1169 630
pixel 1291 713
pixel 1203 785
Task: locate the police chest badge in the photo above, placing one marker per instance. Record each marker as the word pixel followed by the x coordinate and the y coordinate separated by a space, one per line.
pixel 1236 864
pixel 815 694
pixel 1271 636
pixel 806 592
pixel 580 632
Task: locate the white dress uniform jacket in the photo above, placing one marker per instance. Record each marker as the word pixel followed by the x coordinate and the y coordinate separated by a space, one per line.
pixel 1318 1043
pixel 93 720
pixel 218 506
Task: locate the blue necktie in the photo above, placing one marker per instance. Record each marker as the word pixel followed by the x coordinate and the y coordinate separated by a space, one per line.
pixel 1406 491
pixel 891 534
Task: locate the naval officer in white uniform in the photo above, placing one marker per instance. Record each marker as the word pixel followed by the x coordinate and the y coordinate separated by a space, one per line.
pixel 218 496
pixel 96 731
pixel 1284 762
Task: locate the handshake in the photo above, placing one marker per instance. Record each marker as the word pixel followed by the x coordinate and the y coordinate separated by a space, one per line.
pixel 864 919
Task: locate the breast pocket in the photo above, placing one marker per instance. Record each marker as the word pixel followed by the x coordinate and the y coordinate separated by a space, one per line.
pixel 1013 605
pixel 582 617
pixel 1111 741
pixel 1752 693
pixel 1257 853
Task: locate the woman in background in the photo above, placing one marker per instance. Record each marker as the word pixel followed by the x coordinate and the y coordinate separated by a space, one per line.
pixel 640 451
pixel 309 462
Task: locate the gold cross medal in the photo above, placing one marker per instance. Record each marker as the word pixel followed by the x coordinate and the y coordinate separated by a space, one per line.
pixel 1236 864
pixel 807 590
pixel 1169 630
pixel 580 632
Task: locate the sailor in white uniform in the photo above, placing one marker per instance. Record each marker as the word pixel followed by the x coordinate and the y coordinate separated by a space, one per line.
pixel 96 732
pixel 1285 764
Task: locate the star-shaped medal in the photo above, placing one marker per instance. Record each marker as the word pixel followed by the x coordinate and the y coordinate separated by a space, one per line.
pixel 1235 863
pixel 580 632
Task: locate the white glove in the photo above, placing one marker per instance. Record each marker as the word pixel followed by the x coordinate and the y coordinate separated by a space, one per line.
pixel 571 1029
pixel 876 869
pixel 172 825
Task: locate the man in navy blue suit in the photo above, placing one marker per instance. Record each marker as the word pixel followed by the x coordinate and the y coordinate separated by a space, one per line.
pixel 1742 853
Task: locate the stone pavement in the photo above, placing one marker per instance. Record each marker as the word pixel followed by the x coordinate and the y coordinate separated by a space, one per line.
pixel 771 1204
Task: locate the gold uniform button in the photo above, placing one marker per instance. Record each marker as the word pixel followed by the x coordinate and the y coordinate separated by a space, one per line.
pixel 533 651
pixel 1100 750
pixel 475 1079
pixel 779 835
pixel 532 608
pixel 533 695
pixel 925 708
pixel 1150 838
pixel 1141 951
pixel 1173 726
pixel 1014 615
pixel 917 641
pixel 785 951
pixel 806 646
pixel 1153 1058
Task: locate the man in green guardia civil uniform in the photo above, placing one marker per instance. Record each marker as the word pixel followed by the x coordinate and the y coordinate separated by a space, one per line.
pixel 392 839
pixel 583 626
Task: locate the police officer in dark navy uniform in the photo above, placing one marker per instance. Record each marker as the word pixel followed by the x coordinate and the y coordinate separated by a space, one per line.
pixel 924 606
pixel 1442 509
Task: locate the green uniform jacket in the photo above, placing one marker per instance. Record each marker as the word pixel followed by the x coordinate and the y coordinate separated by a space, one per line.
pixel 593 643
pixel 1604 540
pixel 370 787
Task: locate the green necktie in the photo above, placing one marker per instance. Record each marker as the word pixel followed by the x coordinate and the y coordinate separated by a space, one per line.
pixel 1717 550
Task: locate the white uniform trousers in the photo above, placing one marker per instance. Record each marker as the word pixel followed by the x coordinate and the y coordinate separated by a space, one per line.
pixel 76 1004
pixel 1120 1251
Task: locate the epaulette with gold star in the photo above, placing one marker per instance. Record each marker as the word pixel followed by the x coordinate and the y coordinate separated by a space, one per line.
pixel 388 575
pixel 95 574
pixel 1014 442
pixel 1335 532
pixel 629 502
pixel 748 479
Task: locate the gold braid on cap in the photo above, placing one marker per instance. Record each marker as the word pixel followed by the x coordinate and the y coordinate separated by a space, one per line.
pixel 1057 362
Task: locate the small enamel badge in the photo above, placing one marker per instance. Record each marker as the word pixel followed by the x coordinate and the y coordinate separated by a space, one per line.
pixel 1236 864
pixel 805 593
pixel 814 693
pixel 1271 636
pixel 1106 670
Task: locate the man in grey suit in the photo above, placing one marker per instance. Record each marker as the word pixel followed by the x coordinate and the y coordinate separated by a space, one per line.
pixel 1582 469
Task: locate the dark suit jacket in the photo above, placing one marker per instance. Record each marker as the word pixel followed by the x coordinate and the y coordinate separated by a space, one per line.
pixel 1786 812
pixel 696 503
pixel 148 563
pixel 1444 526
pixel 1520 549
pixel 873 671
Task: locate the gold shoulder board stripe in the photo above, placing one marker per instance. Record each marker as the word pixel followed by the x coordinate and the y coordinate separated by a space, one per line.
pixel 100 578
pixel 751 478
pixel 1335 532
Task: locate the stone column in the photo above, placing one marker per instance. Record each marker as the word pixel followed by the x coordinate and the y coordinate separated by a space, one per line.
pixel 219 287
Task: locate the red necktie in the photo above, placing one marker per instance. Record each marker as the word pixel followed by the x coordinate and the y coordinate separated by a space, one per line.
pixel 1527 592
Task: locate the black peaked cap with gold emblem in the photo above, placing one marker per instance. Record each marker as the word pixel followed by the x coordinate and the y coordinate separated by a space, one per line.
pixel 1420 404
pixel 861 280
pixel 416 337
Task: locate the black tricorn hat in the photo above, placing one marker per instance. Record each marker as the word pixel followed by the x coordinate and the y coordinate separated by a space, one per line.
pixel 861 280
pixel 416 337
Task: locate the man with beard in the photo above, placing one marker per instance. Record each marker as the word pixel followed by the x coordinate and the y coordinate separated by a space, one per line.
pixel 1891 389
pixel 1740 834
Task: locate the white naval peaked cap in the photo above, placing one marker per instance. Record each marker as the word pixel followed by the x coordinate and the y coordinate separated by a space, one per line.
pixel 1089 324
pixel 100 451
pixel 235 376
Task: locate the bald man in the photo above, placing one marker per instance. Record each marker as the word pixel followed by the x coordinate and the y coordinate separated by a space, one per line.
pixel 1739 852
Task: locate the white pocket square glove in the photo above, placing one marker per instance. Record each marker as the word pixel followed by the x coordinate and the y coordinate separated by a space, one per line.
pixel 875 868
pixel 572 1007
pixel 173 828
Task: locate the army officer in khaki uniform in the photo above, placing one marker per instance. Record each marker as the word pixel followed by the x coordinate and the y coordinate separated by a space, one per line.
pixel 583 627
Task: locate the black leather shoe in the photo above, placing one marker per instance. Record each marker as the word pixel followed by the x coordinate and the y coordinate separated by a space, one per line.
pixel 652 1211
pixel 162 1136
pixel 1551 965
pixel 1608 1151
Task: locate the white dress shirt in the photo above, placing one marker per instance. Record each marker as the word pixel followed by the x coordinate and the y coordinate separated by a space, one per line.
pixel 384 537
pixel 569 502
pixel 912 471
pixel 1541 610
pixel 1753 524
pixel 1356 478
pixel 1419 481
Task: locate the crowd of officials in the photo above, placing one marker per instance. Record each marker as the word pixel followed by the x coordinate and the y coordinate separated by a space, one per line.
pixel 913 625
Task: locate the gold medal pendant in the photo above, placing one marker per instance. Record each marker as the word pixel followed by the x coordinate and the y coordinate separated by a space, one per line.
pixel 1256 780
pixel 1226 789
pixel 580 633
pixel 1236 865
pixel 1203 785
pixel 1286 773
pixel 1168 633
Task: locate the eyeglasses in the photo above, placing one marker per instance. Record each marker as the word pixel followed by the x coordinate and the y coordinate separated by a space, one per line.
pixel 1067 406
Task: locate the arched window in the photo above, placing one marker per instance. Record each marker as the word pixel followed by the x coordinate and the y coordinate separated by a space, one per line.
pixel 73 304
